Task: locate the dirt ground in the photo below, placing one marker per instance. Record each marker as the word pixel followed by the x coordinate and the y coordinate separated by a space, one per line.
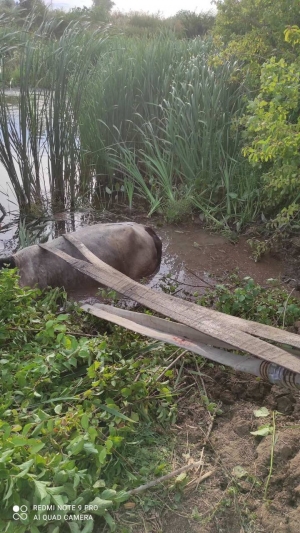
pixel 239 495
pixel 234 498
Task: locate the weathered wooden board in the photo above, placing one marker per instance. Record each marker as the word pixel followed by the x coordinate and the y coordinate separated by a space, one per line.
pixel 163 330
pixel 161 325
pixel 248 326
pixel 207 321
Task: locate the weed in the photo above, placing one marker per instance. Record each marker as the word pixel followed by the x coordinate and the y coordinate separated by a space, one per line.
pixel 77 411
pixel 271 305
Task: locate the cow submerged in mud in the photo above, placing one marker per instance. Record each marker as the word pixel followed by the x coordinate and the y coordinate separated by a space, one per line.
pixel 131 248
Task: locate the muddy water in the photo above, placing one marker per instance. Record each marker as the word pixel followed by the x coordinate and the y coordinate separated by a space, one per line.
pixel 196 259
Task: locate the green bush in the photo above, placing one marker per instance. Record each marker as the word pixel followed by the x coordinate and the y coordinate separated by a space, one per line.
pixel 271 305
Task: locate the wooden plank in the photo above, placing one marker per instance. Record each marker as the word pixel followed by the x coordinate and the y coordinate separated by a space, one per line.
pixel 162 325
pixel 238 362
pixel 246 326
pixel 163 330
pixel 197 317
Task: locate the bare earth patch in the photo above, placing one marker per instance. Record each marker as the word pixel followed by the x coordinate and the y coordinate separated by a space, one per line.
pixel 232 499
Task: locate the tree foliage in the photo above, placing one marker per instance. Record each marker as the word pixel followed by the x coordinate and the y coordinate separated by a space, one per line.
pixel 195 24
pixel 269 17
pixel 252 31
pixel 273 129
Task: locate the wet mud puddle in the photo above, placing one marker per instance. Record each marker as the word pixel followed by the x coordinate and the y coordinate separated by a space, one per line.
pixel 195 259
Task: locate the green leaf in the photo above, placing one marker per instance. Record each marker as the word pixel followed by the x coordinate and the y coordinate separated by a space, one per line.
pixel 85 421
pixel 74 528
pixel 263 431
pixel 99 484
pixel 102 456
pixel 34 529
pixel 58 408
pixel 262 412
pixel 90 448
pixel 27 428
pixel 60 318
pixel 76 447
pixel 41 488
pixel 100 505
pixel 25 467
pixel 5 455
pixel 121 496
pixel 116 413
pixel 110 521
pixel 19 441
pixel 36 447
pixel 108 494
pixel 89 527
pixel 58 500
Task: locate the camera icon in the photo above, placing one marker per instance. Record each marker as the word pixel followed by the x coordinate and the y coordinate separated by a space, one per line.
pixel 20 512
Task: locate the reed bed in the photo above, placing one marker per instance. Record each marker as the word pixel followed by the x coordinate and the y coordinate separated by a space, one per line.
pixel 39 141
pixel 168 126
pixel 150 118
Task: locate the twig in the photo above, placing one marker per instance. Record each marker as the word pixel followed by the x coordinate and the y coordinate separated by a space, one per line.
pixel 196 276
pixel 210 426
pixel 199 480
pixel 285 306
pixel 188 284
pixel 3 210
pixel 272 456
pixel 171 364
pixel 164 478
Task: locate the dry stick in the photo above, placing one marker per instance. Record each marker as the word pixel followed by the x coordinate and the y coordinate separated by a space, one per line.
pixel 285 306
pixel 172 355
pixel 201 279
pixel 209 430
pixel 172 364
pixel 186 284
pixel 164 478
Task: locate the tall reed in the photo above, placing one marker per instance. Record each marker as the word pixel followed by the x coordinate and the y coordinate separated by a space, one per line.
pixel 151 114
pixel 168 121
pixel 39 141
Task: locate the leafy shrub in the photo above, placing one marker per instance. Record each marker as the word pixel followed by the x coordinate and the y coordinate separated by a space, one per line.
pixel 271 305
pixel 72 404
pixel 273 131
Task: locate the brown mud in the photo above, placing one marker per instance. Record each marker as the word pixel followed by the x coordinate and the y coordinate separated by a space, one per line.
pixel 197 259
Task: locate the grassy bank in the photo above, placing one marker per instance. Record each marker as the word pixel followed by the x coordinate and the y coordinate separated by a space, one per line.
pixel 127 119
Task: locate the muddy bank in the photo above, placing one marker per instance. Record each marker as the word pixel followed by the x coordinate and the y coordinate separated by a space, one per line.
pixel 196 259
pixel 190 249
pixel 193 256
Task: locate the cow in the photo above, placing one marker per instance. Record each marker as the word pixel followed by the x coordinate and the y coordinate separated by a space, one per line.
pixel 133 249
